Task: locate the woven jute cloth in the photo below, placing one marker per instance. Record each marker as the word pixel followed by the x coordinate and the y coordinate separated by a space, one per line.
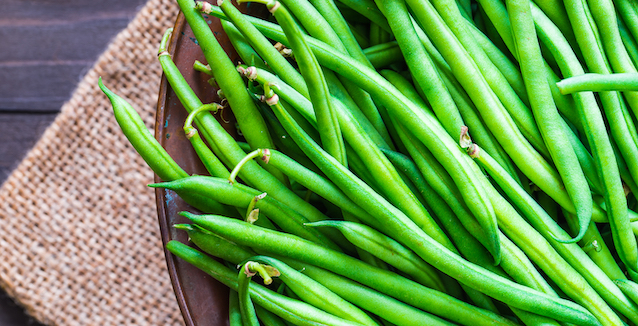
pixel 80 240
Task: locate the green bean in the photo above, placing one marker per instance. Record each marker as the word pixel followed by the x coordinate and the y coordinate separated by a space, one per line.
pixel 250 121
pixel 421 66
pixel 599 83
pixel 381 170
pixel 384 54
pixel 241 196
pixel 628 287
pixel 327 121
pixel 314 293
pixel 550 231
pixel 621 131
pixel 241 45
pixel 600 253
pixel 387 250
pixel 226 148
pixel 212 164
pixel 547 117
pixel 291 310
pixel 403 289
pixel 141 139
pixel 604 15
pixel 246 308
pixel 234 315
pixel 153 153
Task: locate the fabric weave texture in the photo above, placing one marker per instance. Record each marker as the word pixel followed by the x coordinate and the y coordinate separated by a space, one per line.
pixel 80 243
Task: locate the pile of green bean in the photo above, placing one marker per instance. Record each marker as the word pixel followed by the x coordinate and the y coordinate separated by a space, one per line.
pixel 413 162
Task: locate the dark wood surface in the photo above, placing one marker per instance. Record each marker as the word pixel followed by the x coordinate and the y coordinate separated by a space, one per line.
pixel 46 48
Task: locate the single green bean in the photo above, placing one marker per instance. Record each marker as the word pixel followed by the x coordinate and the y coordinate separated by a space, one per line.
pixel 234 315
pixel 599 83
pixel 246 307
pixel 141 139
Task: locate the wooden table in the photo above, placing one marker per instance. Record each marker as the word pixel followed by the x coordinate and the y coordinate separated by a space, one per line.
pixel 46 48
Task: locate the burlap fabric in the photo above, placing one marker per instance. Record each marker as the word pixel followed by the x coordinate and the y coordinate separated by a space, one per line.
pixel 80 241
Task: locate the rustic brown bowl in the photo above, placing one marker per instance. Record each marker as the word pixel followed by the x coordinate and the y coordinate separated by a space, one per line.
pixel 202 300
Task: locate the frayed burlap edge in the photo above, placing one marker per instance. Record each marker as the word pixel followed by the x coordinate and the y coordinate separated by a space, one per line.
pixel 80 242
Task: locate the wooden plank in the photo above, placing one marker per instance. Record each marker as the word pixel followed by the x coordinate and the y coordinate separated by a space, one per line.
pixel 41 86
pixel 64 9
pixel 20 131
pixel 61 41
pixel 51 48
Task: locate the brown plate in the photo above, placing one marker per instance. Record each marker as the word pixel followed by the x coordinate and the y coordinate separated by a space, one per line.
pixel 202 300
